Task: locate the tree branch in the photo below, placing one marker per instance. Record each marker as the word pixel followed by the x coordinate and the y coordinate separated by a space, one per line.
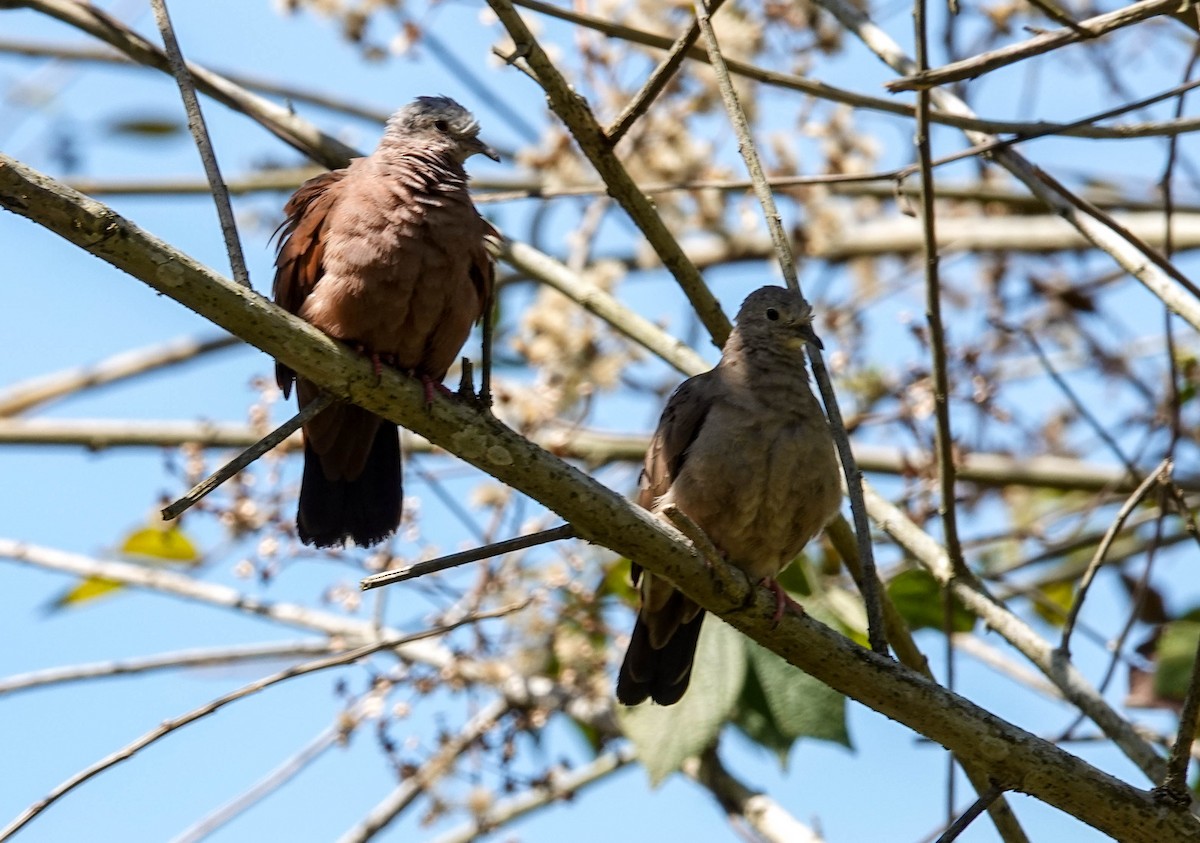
pixel 1036 46
pixel 1017 759
pixel 44 389
pixel 595 448
pixel 575 114
pixel 289 128
pixel 1130 253
pixel 433 769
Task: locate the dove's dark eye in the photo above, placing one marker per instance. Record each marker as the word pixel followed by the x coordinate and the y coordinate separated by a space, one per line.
pixel 772 314
pixel 441 125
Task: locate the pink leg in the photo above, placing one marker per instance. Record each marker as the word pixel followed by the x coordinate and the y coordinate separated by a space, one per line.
pixel 782 600
pixel 430 385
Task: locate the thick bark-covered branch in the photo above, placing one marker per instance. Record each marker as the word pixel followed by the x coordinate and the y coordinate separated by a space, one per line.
pixel 1018 760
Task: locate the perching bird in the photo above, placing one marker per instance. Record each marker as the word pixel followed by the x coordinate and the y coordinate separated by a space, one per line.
pixel 744 452
pixel 388 256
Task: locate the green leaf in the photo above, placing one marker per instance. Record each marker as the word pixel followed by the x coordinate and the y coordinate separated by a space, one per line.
pixel 1055 603
pixel 617 583
pixel 799 705
pixel 918 597
pixel 1174 656
pixel 665 736
pixel 753 718
pixel 794 578
pixel 146 127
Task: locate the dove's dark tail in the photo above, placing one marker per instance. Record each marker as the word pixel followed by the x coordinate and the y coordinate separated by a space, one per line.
pixel 662 674
pixel 365 509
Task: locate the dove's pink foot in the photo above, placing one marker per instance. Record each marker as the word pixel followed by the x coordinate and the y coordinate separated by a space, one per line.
pixel 782 600
pixel 430 385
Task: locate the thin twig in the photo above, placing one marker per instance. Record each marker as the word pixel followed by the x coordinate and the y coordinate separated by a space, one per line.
pixel 182 660
pixel 575 114
pixel 169 726
pixel 1160 476
pixel 1079 404
pixel 1128 252
pixel 206 486
pixel 195 119
pixel 433 769
pixel 794 82
pixel 39 391
pixel 654 85
pixel 420 569
pixel 1174 784
pixel 599 302
pixel 943 440
pixel 985 62
pixel 900 638
pixel 593 447
pixel 783 253
pixel 264 787
pixel 969 815
pixel 999 618
pixel 558 787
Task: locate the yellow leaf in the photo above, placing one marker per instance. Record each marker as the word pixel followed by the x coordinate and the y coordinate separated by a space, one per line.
pixel 153 545
pixel 157 544
pixel 87 589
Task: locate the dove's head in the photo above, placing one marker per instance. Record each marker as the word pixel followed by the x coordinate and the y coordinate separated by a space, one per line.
pixel 776 316
pixel 439 124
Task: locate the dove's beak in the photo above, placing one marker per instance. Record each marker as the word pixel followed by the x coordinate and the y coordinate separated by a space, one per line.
pixel 483 149
pixel 810 336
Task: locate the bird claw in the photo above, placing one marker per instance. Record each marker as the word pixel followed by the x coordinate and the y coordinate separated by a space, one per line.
pixel 377 359
pixel 783 601
pixel 430 386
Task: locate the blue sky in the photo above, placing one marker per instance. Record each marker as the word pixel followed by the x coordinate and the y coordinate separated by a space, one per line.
pixel 60 307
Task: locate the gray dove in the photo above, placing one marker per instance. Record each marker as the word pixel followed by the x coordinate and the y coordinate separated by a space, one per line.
pixel 744 451
pixel 388 256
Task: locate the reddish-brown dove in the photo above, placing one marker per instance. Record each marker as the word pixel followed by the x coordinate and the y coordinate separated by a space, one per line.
pixel 744 451
pixel 388 256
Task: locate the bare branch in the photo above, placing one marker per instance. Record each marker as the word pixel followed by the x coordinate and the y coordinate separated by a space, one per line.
pixel 573 110
pixel 181 660
pixel 596 448
pixel 1036 46
pixel 600 303
pixel 195 120
pixel 1174 786
pixel 206 486
pixel 967 122
pixel 36 392
pixel 1057 669
pixel 559 787
pixel 1016 758
pixel 169 726
pixel 1160 476
pixel 433 769
pixel 1130 254
pixel 869 582
pixel 282 123
pixel 420 569
pixel 265 786
pixel 769 821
